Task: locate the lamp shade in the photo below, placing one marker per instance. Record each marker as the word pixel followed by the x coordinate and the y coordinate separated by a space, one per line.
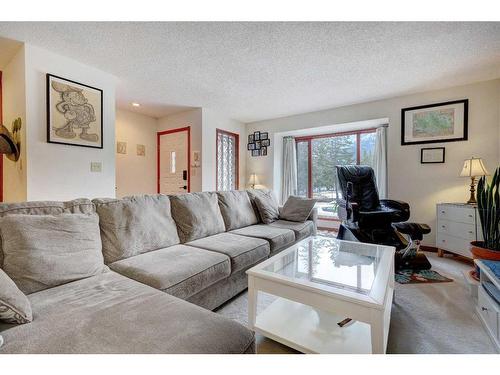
pixel 474 167
pixel 253 180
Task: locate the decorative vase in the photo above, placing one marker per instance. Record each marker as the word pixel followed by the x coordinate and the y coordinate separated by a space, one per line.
pixel 479 252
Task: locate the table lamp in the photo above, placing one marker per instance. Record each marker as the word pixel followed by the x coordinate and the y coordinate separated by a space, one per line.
pixel 473 167
pixel 253 180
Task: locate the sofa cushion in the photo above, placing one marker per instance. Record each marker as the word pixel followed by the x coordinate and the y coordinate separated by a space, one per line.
pixel 266 204
pixel 278 238
pixel 110 313
pixel 236 209
pixel 43 251
pixel 243 251
pixel 178 270
pixel 15 307
pixel 297 209
pixel 197 215
pixel 301 230
pixel 81 205
pixel 135 225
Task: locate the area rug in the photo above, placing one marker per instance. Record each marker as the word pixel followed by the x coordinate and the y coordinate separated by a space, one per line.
pixel 420 277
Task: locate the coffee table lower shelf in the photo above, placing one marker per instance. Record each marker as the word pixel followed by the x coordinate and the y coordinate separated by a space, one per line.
pixel 310 330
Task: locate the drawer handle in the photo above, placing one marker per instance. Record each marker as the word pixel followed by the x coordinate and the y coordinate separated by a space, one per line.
pixel 470 216
pixel 443 212
pixel 471 232
pixel 443 226
pixel 484 309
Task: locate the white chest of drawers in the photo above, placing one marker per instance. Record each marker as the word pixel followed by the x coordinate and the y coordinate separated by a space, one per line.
pixel 457 225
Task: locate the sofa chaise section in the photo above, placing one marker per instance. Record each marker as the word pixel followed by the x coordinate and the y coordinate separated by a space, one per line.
pixel 178 270
pixel 110 313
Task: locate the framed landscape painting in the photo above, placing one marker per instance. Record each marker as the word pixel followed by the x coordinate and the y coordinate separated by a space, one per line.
pixel 74 113
pixel 433 123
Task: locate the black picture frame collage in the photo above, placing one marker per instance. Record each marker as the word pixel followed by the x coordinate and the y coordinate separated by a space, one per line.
pixel 258 142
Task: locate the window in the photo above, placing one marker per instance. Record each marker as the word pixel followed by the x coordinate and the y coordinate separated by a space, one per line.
pixel 227 158
pixel 317 157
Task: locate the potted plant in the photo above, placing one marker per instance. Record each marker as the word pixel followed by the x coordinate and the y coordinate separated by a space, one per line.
pixel 488 207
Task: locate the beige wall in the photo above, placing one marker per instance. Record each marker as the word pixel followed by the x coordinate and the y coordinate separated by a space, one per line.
pixel 135 174
pixel 61 172
pixel 192 118
pixel 422 185
pixel 14 105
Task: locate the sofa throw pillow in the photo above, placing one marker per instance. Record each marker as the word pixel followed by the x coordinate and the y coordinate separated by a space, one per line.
pixel 135 225
pixel 15 308
pixel 236 209
pixel 76 206
pixel 268 207
pixel 297 208
pixel 43 251
pixel 197 215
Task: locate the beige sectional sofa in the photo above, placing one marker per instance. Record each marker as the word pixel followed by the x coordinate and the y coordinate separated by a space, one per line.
pixel 159 253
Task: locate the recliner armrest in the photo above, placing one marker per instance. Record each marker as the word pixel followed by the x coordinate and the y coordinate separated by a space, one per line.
pixel 402 207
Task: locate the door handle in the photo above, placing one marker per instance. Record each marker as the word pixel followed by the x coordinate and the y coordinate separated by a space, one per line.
pixel 184 187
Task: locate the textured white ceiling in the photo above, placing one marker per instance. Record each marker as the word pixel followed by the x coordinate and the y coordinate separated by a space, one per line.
pixel 255 71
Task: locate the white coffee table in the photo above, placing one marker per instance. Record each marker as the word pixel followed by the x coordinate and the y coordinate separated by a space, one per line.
pixel 319 282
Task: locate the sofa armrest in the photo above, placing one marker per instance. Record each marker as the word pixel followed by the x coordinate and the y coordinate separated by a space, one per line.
pixel 314 218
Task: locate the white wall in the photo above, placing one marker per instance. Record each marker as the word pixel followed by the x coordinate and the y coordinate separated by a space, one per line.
pixel 135 174
pixel 57 171
pixel 192 118
pixel 14 105
pixel 422 185
pixel 211 122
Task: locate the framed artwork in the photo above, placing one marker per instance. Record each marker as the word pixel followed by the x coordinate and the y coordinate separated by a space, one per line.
pixel 432 155
pixel 432 123
pixel 255 152
pixel 250 138
pixel 263 151
pixel 265 142
pixel 121 147
pixel 74 113
pixel 251 146
pixel 257 145
pixel 256 136
pixel 141 150
pixel 263 136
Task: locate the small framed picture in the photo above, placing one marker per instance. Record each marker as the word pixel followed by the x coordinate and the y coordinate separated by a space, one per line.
pixel 265 142
pixel 255 152
pixel 250 138
pixel 256 136
pixel 257 145
pixel 251 146
pixel 263 151
pixel 263 136
pixel 432 155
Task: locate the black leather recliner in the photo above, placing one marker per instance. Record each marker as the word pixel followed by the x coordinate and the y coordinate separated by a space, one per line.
pixel 367 218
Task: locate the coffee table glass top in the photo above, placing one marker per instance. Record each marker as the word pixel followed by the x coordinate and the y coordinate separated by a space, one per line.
pixel 350 266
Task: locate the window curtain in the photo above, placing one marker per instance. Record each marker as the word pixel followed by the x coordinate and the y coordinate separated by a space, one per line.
pixel 380 161
pixel 289 173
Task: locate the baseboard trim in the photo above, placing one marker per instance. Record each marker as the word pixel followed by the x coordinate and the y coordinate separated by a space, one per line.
pixel 432 249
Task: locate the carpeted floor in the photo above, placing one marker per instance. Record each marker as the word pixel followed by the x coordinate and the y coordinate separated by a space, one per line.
pixel 426 318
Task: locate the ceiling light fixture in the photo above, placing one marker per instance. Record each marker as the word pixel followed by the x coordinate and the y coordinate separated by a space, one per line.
pixel 136 105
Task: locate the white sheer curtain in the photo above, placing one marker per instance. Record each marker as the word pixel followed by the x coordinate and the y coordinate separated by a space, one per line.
pixel 289 172
pixel 380 161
